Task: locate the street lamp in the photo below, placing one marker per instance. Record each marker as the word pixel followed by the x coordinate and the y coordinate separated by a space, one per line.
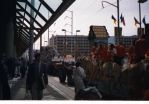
pixel 140 1
pixel 65 38
pixel 76 34
pixel 76 46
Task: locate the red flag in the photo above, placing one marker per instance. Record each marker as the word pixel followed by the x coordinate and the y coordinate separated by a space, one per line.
pixel 123 21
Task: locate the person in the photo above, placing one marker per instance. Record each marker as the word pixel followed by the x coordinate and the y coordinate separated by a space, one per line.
pixel 10 67
pixel 114 51
pixel 140 48
pixel 146 95
pixel 146 60
pixel 89 93
pixel 131 53
pixel 110 54
pixel 5 88
pixel 18 67
pixel 94 53
pixel 14 64
pixel 121 53
pixel 102 53
pixel 34 81
pixel 78 76
pixel 23 68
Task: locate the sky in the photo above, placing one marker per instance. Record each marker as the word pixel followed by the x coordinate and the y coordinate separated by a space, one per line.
pixel 90 12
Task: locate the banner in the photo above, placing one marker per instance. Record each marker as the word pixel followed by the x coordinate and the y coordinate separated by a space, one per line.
pixel 116 31
pixel 139 32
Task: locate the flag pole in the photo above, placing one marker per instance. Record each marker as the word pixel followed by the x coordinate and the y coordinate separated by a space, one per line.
pixel 118 31
pixel 140 18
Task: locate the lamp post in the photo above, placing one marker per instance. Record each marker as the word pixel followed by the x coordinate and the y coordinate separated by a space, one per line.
pixel 65 38
pixel 76 34
pixel 76 46
pixel 140 1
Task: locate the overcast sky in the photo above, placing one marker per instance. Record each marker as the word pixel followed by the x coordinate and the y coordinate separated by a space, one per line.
pixel 88 12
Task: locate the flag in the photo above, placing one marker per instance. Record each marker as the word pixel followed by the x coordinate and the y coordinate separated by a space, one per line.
pixel 144 20
pixel 136 21
pixel 113 19
pixel 122 20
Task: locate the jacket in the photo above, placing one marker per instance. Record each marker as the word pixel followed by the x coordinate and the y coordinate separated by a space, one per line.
pixel 31 75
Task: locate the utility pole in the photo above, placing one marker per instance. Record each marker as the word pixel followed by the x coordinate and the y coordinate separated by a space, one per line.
pixel 118 23
pixel 140 18
pixel 71 29
pixel 118 30
pixel 71 26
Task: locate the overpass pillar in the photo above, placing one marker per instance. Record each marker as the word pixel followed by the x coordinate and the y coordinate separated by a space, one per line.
pixel 9 43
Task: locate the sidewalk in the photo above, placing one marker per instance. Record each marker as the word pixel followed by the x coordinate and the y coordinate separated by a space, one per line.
pixel 54 91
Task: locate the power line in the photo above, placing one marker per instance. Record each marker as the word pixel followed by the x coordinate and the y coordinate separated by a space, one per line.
pixel 85 9
pixel 78 5
pixel 93 15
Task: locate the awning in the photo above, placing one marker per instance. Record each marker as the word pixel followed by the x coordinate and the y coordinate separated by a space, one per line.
pixel 41 19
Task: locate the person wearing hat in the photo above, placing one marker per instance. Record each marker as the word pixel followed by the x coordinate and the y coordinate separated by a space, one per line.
pixel 37 78
pixel 5 88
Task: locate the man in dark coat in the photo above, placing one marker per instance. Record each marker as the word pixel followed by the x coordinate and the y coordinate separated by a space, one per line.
pixel 36 76
pixel 5 94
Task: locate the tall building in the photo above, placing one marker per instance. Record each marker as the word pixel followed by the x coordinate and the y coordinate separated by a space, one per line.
pixel 58 42
pixel 126 40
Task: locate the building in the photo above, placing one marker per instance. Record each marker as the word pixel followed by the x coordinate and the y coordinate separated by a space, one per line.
pixel 126 40
pixel 58 42
pixel 111 39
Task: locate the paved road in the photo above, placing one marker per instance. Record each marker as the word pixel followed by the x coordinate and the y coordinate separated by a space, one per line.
pixel 54 91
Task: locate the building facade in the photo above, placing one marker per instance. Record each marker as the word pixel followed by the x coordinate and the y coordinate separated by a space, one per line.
pixel 126 40
pixel 58 42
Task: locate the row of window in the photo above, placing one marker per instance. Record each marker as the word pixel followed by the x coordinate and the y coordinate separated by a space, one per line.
pixel 72 46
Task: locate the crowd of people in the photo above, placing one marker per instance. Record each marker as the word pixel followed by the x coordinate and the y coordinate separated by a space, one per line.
pixel 137 52
pixel 12 67
pixel 116 53
pixel 9 69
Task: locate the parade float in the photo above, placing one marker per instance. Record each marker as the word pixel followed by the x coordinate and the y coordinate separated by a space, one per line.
pixel 114 82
